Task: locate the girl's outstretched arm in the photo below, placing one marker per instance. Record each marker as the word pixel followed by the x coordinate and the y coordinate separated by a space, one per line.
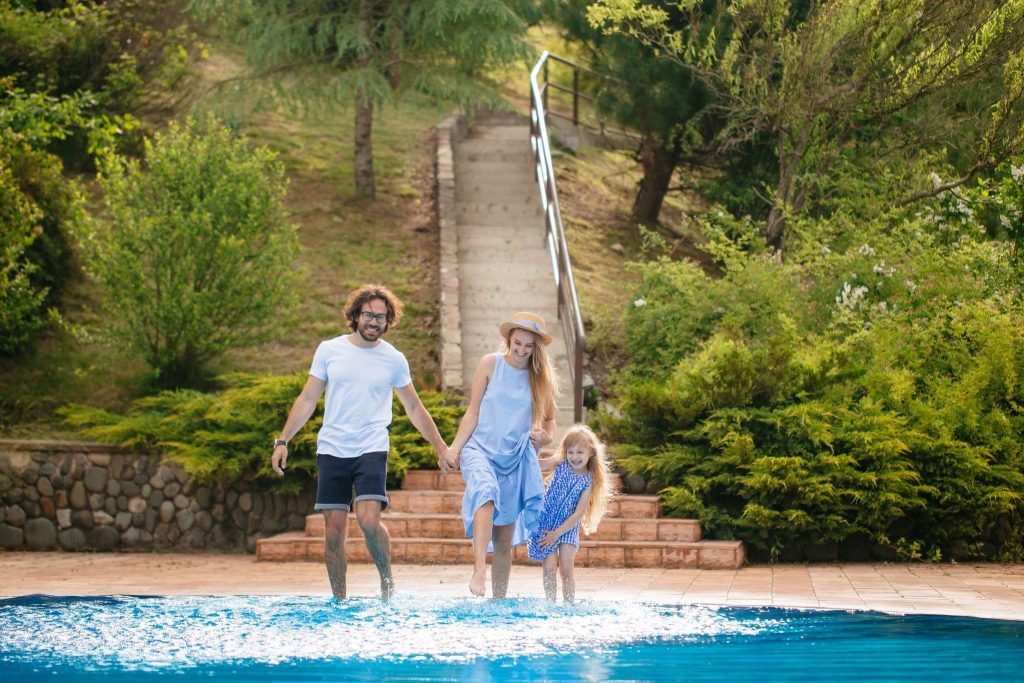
pixel 550 538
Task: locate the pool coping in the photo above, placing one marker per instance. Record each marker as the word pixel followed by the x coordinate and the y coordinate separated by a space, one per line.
pixel 990 591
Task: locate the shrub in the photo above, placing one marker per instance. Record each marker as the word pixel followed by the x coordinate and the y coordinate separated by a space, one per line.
pixel 218 437
pixel 197 255
pixel 21 314
pixel 893 412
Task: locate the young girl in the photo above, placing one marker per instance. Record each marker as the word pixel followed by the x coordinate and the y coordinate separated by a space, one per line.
pixel 577 492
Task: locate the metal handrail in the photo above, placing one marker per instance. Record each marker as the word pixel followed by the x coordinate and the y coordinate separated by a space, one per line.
pixel 561 265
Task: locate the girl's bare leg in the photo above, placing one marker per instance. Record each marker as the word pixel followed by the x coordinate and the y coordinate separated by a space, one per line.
pixel 551 576
pixel 566 562
pixel 483 520
pixel 501 563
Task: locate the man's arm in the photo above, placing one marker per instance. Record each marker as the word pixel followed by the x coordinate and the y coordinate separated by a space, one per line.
pixel 300 413
pixel 424 423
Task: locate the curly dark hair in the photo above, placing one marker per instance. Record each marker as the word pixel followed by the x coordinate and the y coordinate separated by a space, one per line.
pixel 366 293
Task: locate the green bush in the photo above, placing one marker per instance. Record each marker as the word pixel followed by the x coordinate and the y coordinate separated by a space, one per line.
pixel 197 255
pixel 21 304
pixel 875 393
pixel 220 436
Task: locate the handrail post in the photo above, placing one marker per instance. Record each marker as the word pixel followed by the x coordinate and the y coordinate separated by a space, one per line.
pixel 545 93
pixel 576 96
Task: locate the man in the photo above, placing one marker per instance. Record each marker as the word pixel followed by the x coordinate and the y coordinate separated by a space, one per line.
pixel 359 372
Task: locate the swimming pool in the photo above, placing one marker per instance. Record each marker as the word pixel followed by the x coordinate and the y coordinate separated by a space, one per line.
pixel 422 638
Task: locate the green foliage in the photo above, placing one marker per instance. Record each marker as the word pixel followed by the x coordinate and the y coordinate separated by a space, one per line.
pixel 197 255
pixel 219 437
pixel 20 302
pixel 874 392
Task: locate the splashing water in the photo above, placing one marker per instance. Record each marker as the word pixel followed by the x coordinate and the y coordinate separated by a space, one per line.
pixel 423 638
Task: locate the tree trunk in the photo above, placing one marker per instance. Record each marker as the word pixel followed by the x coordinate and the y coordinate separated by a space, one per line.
pixel 365 185
pixel 658 163
pixel 785 191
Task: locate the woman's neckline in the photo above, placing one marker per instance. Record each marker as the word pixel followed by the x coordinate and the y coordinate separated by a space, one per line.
pixel 524 369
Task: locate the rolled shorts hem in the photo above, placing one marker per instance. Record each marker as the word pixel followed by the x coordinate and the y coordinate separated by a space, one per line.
pixel 332 506
pixel 372 496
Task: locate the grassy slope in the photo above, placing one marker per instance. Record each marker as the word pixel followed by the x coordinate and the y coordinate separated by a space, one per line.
pixel 344 243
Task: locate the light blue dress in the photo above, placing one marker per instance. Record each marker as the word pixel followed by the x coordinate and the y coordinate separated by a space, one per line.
pixel 499 462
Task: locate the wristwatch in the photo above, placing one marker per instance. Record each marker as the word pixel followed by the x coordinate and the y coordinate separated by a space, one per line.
pixel 280 442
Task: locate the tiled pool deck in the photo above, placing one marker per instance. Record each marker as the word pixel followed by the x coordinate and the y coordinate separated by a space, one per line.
pixel 977 590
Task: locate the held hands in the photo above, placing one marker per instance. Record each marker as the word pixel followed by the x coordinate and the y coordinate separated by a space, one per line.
pixel 539 438
pixel 279 459
pixel 448 460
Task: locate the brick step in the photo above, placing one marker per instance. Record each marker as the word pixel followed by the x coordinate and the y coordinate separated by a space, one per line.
pixel 297 547
pixel 436 480
pixel 411 525
pixel 450 502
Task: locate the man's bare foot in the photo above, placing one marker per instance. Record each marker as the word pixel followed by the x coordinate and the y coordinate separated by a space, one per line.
pixel 387 589
pixel 477 583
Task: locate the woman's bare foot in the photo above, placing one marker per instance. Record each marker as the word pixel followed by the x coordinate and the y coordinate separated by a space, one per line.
pixel 387 589
pixel 477 582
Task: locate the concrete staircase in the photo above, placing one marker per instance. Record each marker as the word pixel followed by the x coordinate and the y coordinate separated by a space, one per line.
pixel 425 522
pixel 503 261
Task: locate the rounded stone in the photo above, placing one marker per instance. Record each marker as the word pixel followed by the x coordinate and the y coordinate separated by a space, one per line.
pixel 61 498
pixel 151 517
pixel 166 472
pixel 185 519
pixel 32 509
pixel 172 489
pixel 194 539
pixel 116 466
pixel 136 505
pixel 82 519
pixel 96 501
pixel 32 494
pixel 142 479
pixel 128 473
pixel 30 474
pixel 204 520
pixel 40 533
pixel 58 481
pixel 157 482
pixel 231 498
pixel 130 488
pixel 113 488
pixel 95 478
pixel 15 515
pixel 45 487
pixel 110 506
pixel 47 469
pixel 123 521
pixel 180 502
pixel 11 537
pixel 245 501
pixel 138 519
pixel 104 538
pixel 102 518
pixel 78 498
pixel 136 538
pixel 156 498
pixel 72 539
pixel 15 496
pixel 122 503
pixel 47 508
pixel 204 496
pixel 63 518
pixel 146 490
pixel 166 511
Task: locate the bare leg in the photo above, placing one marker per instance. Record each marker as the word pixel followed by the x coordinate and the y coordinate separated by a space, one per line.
pixel 551 576
pixel 483 520
pixel 378 542
pixel 566 562
pixel 501 563
pixel 335 533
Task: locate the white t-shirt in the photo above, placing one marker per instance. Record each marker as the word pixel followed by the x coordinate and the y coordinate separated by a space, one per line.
pixel 357 409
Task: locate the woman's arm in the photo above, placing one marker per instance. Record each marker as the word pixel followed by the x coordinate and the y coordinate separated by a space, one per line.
pixel 550 538
pixel 481 377
pixel 545 433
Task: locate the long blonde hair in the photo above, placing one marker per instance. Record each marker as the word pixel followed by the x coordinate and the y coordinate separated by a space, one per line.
pixel 600 486
pixel 543 381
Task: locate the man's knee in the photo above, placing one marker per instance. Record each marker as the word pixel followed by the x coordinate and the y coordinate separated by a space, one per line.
pixel 368 516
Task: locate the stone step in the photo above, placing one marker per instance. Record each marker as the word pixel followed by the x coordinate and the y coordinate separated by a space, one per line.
pixel 487 154
pixel 297 547
pixel 414 525
pixel 436 480
pixel 450 502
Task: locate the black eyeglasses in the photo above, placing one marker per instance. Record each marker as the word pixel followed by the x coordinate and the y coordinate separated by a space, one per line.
pixel 370 315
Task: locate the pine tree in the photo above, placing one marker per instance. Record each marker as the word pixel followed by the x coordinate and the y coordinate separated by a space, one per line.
pixel 370 51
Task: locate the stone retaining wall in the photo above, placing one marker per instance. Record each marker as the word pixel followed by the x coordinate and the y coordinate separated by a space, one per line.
pixel 85 496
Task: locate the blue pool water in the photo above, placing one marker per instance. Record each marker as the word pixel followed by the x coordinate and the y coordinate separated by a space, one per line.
pixel 424 638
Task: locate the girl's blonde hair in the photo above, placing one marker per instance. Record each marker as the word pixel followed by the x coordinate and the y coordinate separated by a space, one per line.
pixel 543 381
pixel 600 486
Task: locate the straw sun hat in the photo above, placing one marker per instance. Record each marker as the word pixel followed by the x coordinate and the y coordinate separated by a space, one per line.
pixel 530 323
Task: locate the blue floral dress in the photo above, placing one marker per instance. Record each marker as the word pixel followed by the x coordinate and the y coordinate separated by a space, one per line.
pixel 560 501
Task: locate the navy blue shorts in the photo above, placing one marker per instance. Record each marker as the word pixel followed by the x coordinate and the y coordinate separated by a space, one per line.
pixel 367 474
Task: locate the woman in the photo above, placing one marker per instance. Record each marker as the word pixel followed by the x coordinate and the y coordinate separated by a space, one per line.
pixel 511 415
